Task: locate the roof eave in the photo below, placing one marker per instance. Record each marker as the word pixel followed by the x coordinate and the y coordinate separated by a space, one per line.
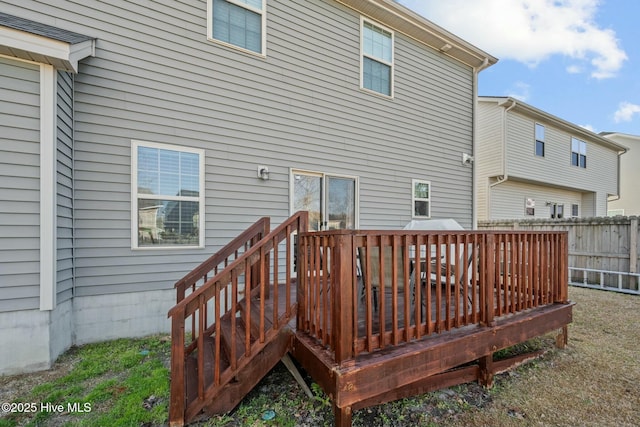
pixel 413 25
pixel 557 121
pixel 32 47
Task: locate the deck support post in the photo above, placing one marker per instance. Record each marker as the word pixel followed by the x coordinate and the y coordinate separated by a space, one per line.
pixel 562 339
pixel 342 416
pixel 486 371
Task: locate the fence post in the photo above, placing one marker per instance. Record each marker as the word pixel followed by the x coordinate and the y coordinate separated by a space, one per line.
pixel 633 245
pixel 342 291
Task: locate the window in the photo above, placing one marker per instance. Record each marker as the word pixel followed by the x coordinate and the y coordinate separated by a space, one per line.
pixel 239 23
pixel 167 196
pixel 421 199
pixel 330 199
pixel 539 140
pixel 377 59
pixel 575 212
pixel 557 211
pixel 578 153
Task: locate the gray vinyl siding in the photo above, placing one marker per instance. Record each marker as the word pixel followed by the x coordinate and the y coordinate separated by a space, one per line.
pixel 64 172
pixel 20 189
pixel 555 167
pixel 156 78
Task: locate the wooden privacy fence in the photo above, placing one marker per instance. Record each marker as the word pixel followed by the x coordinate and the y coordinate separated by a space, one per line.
pixel 603 251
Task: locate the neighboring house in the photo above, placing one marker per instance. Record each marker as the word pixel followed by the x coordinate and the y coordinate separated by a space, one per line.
pixel 530 164
pixel 629 202
pixel 139 137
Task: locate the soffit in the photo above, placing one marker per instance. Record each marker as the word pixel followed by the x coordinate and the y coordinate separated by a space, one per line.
pixel 33 41
pixel 404 20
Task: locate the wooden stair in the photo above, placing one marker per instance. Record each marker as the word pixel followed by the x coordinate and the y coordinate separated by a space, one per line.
pixel 233 326
pixel 254 367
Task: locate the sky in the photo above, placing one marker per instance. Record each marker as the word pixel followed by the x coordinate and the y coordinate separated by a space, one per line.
pixel 575 59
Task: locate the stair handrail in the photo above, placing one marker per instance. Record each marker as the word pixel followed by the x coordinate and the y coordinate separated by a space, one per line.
pixel 248 238
pixel 188 302
pixel 212 288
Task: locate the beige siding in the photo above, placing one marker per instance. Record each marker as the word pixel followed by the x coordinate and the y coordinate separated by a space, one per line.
pixel 508 200
pixel 488 153
pixel 155 77
pixel 629 175
pixel 555 167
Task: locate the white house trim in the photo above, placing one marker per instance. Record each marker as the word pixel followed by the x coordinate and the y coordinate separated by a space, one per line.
pixel 32 47
pixel 48 189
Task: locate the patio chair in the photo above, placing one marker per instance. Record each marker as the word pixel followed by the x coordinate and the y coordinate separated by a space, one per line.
pixel 376 284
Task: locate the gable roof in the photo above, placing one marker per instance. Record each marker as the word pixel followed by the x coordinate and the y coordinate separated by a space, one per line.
pixel 537 114
pixel 406 21
pixel 34 41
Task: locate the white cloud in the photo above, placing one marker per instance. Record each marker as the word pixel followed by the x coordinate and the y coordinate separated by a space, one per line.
pixel 589 127
pixel 520 91
pixel 530 31
pixel 625 112
pixel 574 69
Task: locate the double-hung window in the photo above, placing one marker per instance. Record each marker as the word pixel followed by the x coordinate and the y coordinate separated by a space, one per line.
pixel 377 58
pixel 539 140
pixel 578 153
pixel 421 198
pixel 167 196
pixel 239 23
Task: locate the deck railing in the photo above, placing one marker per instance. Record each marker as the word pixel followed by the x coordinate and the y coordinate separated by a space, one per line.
pixel 365 290
pixel 257 272
pixel 218 261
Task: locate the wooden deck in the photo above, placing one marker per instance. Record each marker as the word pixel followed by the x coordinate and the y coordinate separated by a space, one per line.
pixel 372 316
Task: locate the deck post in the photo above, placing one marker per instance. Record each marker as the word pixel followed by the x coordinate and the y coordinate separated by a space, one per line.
pixel 562 339
pixel 178 398
pixel 342 284
pixel 342 416
pixel 486 371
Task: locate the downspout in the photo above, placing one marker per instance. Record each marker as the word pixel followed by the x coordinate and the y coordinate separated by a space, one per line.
pixel 505 174
pixel 617 196
pixel 474 210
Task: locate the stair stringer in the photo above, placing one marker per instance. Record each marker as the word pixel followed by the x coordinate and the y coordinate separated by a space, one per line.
pixel 247 378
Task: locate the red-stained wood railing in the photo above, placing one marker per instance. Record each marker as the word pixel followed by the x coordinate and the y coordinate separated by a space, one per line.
pixel 352 299
pixel 222 299
pixel 221 259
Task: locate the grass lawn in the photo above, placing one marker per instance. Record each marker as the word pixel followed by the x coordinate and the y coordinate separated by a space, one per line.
pixel 595 381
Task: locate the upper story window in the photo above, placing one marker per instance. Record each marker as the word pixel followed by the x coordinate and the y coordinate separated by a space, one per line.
pixel 421 199
pixel 167 196
pixel 377 58
pixel 539 140
pixel 578 153
pixel 239 23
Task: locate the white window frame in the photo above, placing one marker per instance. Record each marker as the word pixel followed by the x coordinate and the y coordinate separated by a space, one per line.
pixel 135 196
pixel 542 140
pixel 363 55
pixel 582 151
pixel 575 210
pixel 263 15
pixel 415 199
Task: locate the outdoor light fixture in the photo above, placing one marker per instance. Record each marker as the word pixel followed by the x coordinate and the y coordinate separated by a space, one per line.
pixel 263 173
